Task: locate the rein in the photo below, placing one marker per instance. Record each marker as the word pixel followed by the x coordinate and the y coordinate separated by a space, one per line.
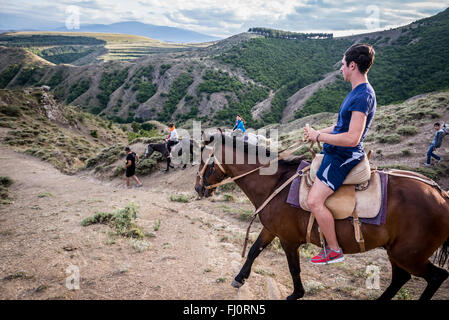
pixel 290 150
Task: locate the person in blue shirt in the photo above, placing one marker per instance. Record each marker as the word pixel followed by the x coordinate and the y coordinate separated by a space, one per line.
pixel 436 143
pixel 343 144
pixel 239 124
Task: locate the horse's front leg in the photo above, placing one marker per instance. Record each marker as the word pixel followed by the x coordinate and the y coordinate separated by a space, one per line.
pixel 292 253
pixel 169 165
pixel 263 240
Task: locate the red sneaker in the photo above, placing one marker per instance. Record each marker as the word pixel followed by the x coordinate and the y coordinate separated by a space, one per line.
pixel 328 256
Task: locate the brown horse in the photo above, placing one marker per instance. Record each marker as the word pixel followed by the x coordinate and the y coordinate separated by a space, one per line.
pixel 417 222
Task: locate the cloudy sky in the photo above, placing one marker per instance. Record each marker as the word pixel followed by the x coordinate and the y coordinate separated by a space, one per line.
pixel 223 18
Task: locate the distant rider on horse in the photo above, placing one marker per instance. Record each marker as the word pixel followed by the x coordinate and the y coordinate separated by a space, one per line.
pixel 239 125
pixel 172 137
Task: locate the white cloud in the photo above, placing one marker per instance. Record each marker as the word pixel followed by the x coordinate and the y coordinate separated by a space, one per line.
pixel 227 17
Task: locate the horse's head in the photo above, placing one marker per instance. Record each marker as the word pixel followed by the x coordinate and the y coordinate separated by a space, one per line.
pixel 210 170
pixel 149 151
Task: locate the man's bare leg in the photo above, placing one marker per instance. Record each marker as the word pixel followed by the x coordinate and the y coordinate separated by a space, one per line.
pixel 127 182
pixel 137 179
pixel 317 196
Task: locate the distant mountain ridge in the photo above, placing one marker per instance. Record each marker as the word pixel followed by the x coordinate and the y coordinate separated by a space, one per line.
pixel 169 34
pixel 9 22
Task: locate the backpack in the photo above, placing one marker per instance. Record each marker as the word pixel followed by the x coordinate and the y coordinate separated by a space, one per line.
pixel 439 139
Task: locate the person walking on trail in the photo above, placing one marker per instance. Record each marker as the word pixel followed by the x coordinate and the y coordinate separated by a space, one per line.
pixel 130 165
pixel 343 144
pixel 239 124
pixel 436 143
pixel 172 138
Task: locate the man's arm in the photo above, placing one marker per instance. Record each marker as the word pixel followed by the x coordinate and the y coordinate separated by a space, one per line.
pixel 327 130
pixel 346 139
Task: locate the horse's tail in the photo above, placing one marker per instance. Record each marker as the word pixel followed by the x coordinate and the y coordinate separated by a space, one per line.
pixel 443 254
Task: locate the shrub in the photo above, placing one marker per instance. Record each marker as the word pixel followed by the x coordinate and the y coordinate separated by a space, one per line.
pixel 146 166
pixel 390 139
pixel 94 133
pixel 407 130
pixel 109 83
pixel 146 91
pixel 121 221
pixel 5 181
pixel 179 198
pixel 246 215
pixel 164 68
pixel 78 89
pixel 406 152
pixel 8 74
pixel 11 111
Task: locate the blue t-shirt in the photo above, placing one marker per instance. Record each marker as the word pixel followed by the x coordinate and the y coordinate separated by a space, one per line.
pixel 239 125
pixel 363 99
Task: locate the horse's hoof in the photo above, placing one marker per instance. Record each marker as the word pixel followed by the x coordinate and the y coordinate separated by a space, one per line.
pixel 236 284
pixel 295 296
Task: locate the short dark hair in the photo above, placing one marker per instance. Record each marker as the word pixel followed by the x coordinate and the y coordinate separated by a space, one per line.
pixel 436 124
pixel 127 149
pixel 171 125
pixel 363 56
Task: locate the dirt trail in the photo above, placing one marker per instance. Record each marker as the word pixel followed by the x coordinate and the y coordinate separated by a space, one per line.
pixel 195 254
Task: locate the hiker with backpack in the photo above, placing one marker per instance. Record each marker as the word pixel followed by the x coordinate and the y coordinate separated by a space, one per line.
pixel 436 143
pixel 130 165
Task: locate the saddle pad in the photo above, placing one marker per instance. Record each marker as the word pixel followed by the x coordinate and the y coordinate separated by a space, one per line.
pixel 359 174
pixel 342 202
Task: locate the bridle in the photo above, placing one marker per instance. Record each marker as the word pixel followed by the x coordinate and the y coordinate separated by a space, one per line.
pixel 203 175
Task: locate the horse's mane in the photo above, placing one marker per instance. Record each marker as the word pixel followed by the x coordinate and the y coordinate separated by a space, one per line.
pixel 251 148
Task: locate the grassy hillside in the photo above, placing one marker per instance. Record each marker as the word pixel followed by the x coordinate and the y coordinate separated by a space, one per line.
pixel 32 122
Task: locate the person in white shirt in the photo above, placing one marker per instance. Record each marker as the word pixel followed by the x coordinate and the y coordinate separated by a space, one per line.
pixel 172 138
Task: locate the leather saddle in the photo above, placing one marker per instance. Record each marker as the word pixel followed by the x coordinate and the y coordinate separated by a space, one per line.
pixel 361 191
pixel 359 196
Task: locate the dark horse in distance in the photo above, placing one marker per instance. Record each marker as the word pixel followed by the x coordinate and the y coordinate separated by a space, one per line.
pixel 177 149
pixel 417 221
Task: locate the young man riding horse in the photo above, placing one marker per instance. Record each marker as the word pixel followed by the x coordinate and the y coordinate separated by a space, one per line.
pixel 343 144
